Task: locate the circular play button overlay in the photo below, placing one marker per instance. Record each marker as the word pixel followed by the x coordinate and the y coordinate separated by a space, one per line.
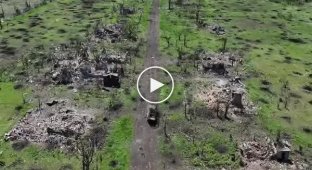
pixel 155 85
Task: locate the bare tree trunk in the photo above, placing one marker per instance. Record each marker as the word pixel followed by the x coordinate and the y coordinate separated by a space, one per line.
pixel 169 4
pixel 185 110
pixel 185 41
pixel 224 45
pixel 165 129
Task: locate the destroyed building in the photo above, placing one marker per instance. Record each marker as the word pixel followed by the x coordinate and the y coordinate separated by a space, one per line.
pixel 74 69
pixel 55 124
pixel 111 80
pixel 218 63
pixel 111 33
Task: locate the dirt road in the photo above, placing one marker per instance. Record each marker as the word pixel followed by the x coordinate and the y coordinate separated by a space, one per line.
pixel 145 154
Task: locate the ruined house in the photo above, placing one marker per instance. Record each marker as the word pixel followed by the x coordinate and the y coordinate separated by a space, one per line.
pixel 237 98
pixel 56 124
pixel 111 80
pixel 214 65
pixel 282 150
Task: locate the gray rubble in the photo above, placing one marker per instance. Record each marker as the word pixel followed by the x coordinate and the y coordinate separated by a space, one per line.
pixel 56 124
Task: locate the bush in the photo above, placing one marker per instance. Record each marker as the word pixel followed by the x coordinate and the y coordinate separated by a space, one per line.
pixel 2 163
pixel 20 145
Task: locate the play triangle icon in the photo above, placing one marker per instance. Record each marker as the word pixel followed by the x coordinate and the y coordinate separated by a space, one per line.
pixel 154 85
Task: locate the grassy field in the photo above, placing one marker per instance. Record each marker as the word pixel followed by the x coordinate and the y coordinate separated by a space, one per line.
pixel 276 42
pixel 9 7
pixel 54 23
pixel 116 153
pixel 49 25
pixel 12 109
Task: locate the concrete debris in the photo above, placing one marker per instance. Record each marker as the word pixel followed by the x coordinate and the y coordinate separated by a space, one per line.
pixel 253 150
pixel 126 10
pixel 217 29
pixel 111 33
pixel 73 68
pixel 55 124
pixel 225 100
pixel 219 63
pixel 265 154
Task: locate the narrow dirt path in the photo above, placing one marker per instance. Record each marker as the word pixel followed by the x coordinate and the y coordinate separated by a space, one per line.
pixel 145 154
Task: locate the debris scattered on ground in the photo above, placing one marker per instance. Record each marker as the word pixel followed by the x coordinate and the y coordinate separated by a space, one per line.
pixel 219 63
pixel 111 33
pixel 126 10
pixel 253 150
pixel 77 68
pixel 226 101
pixel 217 29
pixel 268 154
pixel 55 124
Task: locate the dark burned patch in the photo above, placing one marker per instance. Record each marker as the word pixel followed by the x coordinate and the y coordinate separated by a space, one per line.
pixel 264 101
pixel 310 102
pixel 113 163
pixel 265 82
pixel 66 167
pixel 310 75
pixel 8 50
pixel 61 31
pixel 35 21
pixel 307 88
pixel 221 148
pixel 287 59
pixel 286 118
pixel 295 40
pixel 2 163
pixel 307 130
pixel 297 73
pixel 25 40
pixel 266 89
pixel 24 30
pixel 295 95
pixel 82 30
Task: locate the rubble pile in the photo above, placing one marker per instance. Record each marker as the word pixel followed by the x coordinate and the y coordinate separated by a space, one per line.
pixel 216 29
pixel 268 154
pixel 78 68
pixel 253 150
pixel 112 33
pixel 55 124
pixel 219 63
pixel 126 10
pixel 227 98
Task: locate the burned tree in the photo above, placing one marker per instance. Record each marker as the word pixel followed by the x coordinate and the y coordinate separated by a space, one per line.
pixel 169 4
pixel 224 40
pixel 285 94
pixel 86 148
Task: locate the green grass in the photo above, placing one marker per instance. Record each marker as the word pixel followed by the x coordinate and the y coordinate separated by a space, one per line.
pixel 9 99
pixel 177 96
pixel 32 155
pixel 61 20
pixel 214 151
pixel 118 144
pixel 262 32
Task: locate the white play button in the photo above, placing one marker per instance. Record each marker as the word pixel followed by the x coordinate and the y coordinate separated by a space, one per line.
pixel 154 85
pixel 148 87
